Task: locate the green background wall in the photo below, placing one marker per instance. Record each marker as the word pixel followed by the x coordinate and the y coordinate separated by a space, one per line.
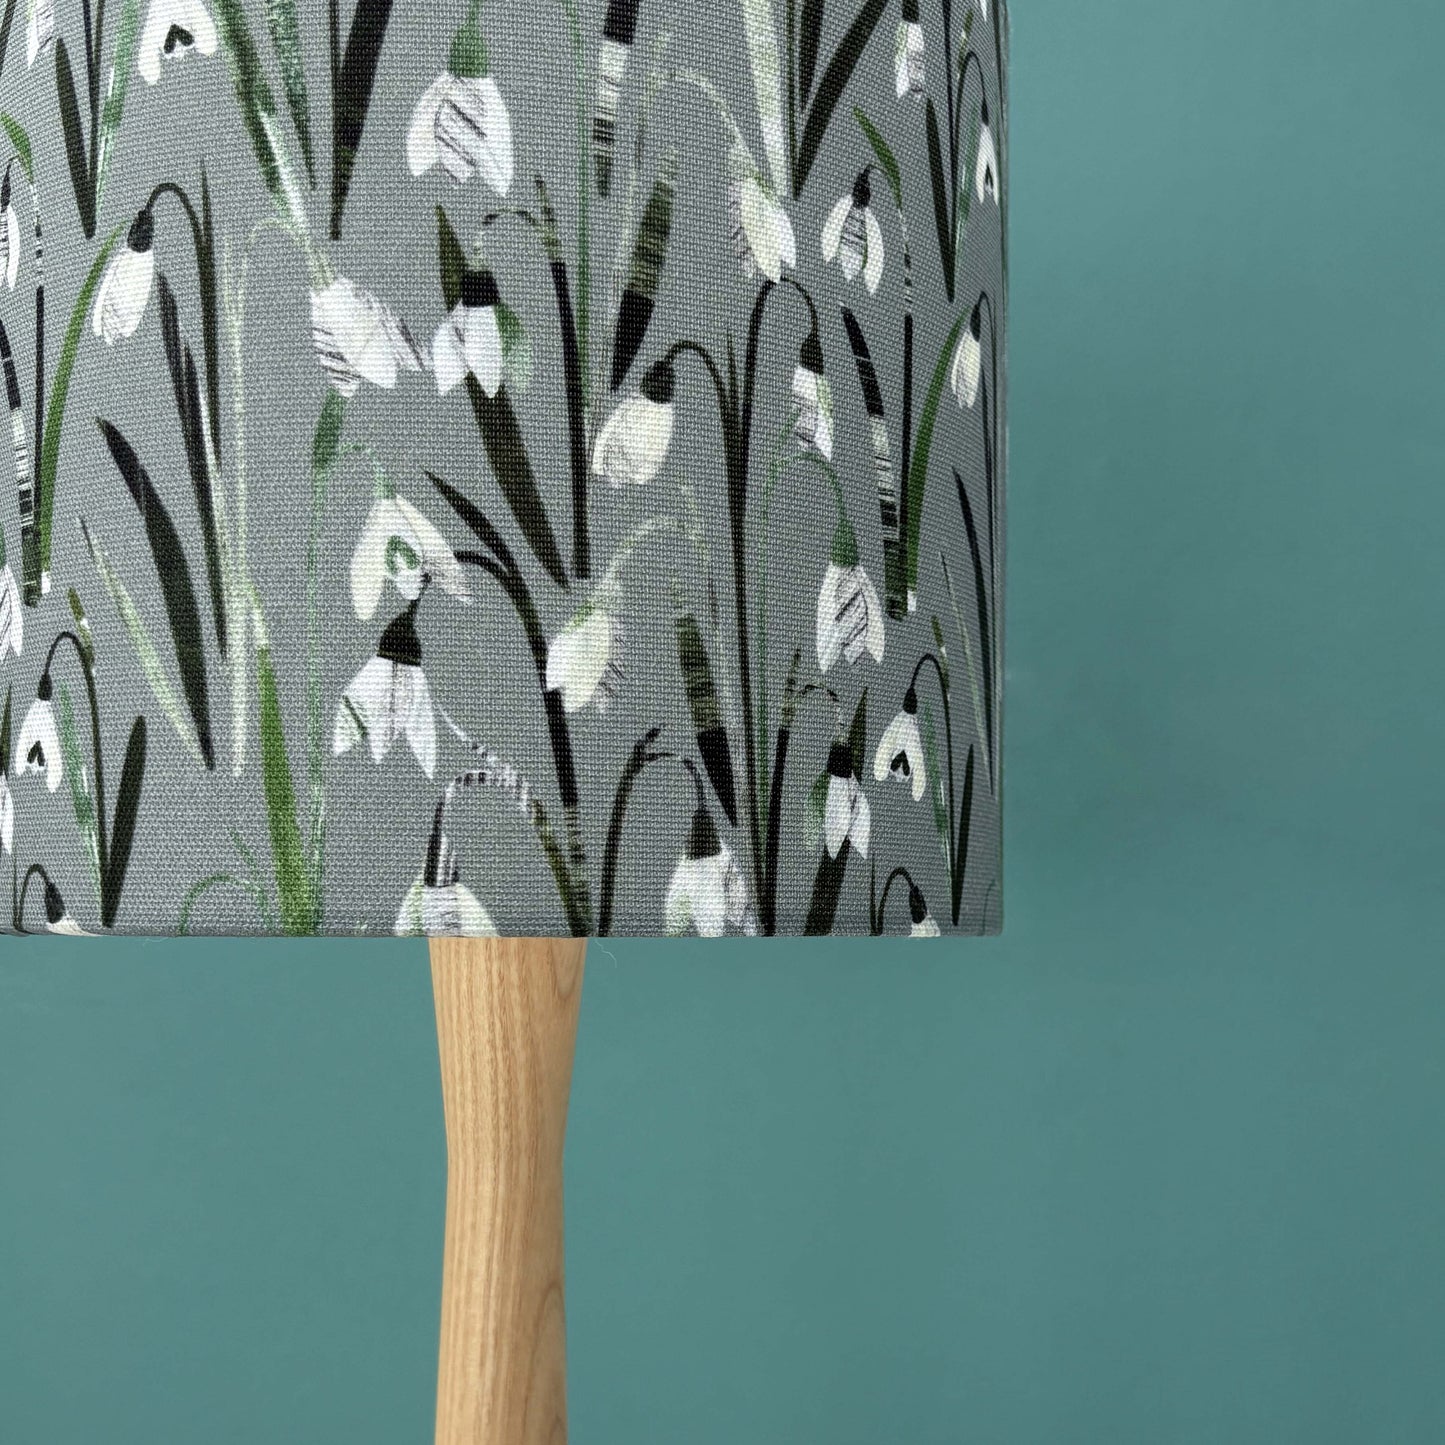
pixel 1166 1163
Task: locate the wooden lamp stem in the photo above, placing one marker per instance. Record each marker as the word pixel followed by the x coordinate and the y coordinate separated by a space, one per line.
pixel 506 1024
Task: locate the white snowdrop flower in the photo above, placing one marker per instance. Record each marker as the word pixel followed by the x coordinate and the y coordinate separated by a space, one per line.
pixel 850 616
pixel 846 814
pixel 708 893
pixel 853 237
pixel 922 923
pixel 812 400
pixel 358 338
pixel 762 234
pixel 390 699
pixel 967 366
pixel 900 749
pixel 38 750
pixel 443 910
pixel 400 544
pixel 985 170
pixel 39 29
pixel 633 442
pixel 125 289
pixel 12 614
pixel 57 916
pixel 172 28
pixel 470 337
pixel 909 70
pixel 9 234
pixel 583 660
pixel 461 122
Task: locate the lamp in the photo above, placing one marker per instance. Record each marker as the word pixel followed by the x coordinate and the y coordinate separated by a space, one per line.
pixel 503 473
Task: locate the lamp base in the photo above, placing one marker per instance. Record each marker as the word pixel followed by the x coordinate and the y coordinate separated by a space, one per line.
pixel 506 1025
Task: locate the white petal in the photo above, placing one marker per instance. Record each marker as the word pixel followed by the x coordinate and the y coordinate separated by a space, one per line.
pixel 967 368
pixel 473 132
pixel 634 441
pixel 369 560
pixel 12 247
pixel 985 171
pixel 438 559
pixel 39 30
pixel 12 614
pixel 124 291
pixel 873 639
pixel 873 267
pixel 833 226
pixel 421 724
pixel 421 138
pixel 829 636
pixel 39 730
pixel 861 828
pixel 837 813
pixel 448 358
pixel 482 343
pixel 577 658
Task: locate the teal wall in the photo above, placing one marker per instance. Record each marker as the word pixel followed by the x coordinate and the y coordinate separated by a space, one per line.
pixel 1163 1165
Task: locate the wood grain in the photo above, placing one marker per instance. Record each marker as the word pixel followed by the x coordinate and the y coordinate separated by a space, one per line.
pixel 506 1025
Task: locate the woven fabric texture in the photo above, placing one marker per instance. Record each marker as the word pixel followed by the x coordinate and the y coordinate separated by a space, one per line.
pixel 531 468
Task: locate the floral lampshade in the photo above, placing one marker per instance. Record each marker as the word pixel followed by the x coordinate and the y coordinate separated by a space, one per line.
pixel 529 468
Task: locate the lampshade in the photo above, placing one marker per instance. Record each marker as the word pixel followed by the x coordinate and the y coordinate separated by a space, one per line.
pixel 531 469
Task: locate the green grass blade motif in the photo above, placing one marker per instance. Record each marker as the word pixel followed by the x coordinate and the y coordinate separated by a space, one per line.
pixel 295 886
pixel 145 648
pixel 176 588
pixel 75 147
pixel 351 99
pixel 122 836
pixel 21 141
pixel 59 390
pixel 77 775
pixel 766 60
pixel 252 90
pixel 918 468
pixel 122 66
pixel 885 155
pixel 649 256
pixel 831 87
pixel 942 207
pixel 286 40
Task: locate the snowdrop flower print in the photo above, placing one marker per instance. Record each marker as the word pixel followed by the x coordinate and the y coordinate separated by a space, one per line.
pixel 38 750
pixel 900 749
pixel 967 367
pixel 853 237
pixel 9 234
pixel 358 338
pixel 708 893
pixel 469 340
pixel 390 698
pixel 908 57
pixel 443 910
pixel 985 170
pixel 12 616
pixel 850 616
pixel 813 400
pixel 125 289
pixel 39 29
pixel 7 816
pixel 763 238
pixel 847 817
pixel 401 545
pixel 461 122
pixel 172 28
pixel 633 442
pixel 583 660
pixel 57 916
pixel 922 923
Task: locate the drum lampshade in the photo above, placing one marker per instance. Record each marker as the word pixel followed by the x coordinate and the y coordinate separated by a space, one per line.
pixel 532 469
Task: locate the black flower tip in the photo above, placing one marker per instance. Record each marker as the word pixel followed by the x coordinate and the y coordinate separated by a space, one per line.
pixel 142 231
pixel 917 908
pixel 810 353
pixel 399 643
pixel 910 700
pixel 659 383
pixel 479 288
pixel 702 839
pixel 46 690
pixel 862 190
pixel 840 761
pixel 5 190
pixel 975 322
pixel 983 110
pixel 54 903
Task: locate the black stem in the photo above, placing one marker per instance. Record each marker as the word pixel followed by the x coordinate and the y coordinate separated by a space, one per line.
pixel 948 737
pixel 637 763
pixel 882 906
pixel 18 912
